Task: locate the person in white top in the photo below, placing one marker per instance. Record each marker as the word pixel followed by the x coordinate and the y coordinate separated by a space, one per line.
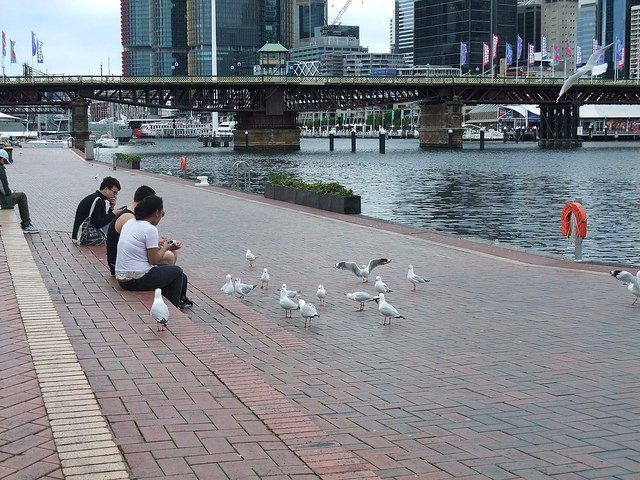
pixel 138 262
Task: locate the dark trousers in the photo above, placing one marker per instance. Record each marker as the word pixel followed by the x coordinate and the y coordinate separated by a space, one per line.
pixel 169 278
pixel 20 199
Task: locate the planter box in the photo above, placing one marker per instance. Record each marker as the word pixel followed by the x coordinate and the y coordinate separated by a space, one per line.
pixel 135 165
pixel 309 198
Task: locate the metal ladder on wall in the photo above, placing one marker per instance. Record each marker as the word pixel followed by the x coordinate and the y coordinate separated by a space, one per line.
pixel 241 175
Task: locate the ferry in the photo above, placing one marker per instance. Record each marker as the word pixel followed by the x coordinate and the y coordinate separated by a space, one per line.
pixel 172 128
pixel 226 129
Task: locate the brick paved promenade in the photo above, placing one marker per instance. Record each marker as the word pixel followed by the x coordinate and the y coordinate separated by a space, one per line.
pixel 508 365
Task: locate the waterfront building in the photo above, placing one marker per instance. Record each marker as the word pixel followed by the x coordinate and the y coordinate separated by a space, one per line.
pixel 364 63
pixel 559 19
pixel 329 51
pixel 404 29
pixel 529 25
pixel 440 26
pixel 586 27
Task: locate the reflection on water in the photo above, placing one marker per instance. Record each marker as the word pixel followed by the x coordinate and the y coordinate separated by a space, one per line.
pixel 512 193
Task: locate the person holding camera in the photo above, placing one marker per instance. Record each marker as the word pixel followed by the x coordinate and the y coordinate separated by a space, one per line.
pixel 115 227
pixel 139 264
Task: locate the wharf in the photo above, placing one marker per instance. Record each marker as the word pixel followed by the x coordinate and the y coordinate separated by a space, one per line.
pixel 508 365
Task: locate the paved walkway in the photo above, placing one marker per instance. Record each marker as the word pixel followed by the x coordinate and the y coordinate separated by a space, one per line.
pixel 508 365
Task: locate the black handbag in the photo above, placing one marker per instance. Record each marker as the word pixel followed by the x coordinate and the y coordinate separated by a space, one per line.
pixel 89 233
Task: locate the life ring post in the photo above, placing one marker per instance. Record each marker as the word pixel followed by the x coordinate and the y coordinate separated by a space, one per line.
pixel 573 221
pixel 183 166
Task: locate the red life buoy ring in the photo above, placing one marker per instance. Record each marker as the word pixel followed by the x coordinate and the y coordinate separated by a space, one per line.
pixel 576 210
pixel 183 163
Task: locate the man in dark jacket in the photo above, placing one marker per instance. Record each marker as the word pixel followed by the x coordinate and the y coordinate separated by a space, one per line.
pixel 9 199
pixel 103 212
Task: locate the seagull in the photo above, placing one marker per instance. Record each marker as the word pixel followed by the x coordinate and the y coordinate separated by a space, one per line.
pixel 287 303
pixel 228 287
pixel 291 293
pixel 321 294
pixel 243 289
pixel 250 256
pixel 364 271
pixel 387 310
pixel 361 297
pixel 591 66
pixel 415 279
pixel 264 278
pixel 308 311
pixel 159 310
pixel 633 283
pixel 381 287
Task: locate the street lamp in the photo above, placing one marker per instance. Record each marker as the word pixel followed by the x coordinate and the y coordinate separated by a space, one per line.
pixel 450 132
pixel 174 67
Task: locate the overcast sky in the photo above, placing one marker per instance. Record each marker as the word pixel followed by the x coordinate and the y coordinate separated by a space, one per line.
pixel 80 36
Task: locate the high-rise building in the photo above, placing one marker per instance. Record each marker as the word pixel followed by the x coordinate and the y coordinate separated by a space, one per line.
pixel 614 26
pixel 440 26
pixel 328 50
pixel 199 37
pixel 529 24
pixel 634 43
pixel 404 26
pixel 586 27
pixel 559 18
pixel 309 15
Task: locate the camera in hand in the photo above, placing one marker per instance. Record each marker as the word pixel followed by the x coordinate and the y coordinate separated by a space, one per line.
pixel 171 242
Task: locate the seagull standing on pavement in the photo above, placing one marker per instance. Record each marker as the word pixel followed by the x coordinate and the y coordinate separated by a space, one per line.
pixel 243 289
pixel 633 283
pixel 250 257
pixel 321 293
pixel 308 311
pixel 361 298
pixel 264 279
pixel 287 303
pixel 228 287
pixel 364 271
pixel 380 286
pixel 159 310
pixel 415 279
pixel 591 66
pixel 387 310
pixel 292 293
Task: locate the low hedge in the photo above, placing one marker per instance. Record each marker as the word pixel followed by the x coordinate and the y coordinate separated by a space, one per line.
pixel 290 180
pixel 126 157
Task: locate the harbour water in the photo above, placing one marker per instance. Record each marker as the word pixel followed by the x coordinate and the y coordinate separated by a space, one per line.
pixel 508 193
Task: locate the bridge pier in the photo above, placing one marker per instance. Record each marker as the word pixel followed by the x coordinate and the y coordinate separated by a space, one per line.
pixel 436 121
pixel 80 122
pixel 559 126
pixel 274 128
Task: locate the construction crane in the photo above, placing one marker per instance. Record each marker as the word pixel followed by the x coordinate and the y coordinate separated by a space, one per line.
pixel 330 29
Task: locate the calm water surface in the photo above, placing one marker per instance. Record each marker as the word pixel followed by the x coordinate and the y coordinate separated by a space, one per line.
pixel 511 193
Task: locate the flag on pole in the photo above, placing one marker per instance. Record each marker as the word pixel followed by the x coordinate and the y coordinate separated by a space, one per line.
pixel 621 61
pixel 13 51
pixel 485 54
pixel 531 54
pixel 463 53
pixel 594 44
pixel 519 48
pixel 567 46
pixel 543 48
pixel 495 46
pixel 578 55
pixel 40 56
pixel 4 45
pixel 509 54
pixel 556 53
pixel 34 44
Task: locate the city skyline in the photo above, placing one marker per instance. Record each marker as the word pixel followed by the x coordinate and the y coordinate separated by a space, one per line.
pixel 82 37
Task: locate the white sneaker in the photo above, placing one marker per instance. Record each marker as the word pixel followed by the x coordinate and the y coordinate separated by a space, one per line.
pixel 30 229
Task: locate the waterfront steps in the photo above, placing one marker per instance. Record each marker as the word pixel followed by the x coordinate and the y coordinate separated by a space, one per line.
pixel 509 365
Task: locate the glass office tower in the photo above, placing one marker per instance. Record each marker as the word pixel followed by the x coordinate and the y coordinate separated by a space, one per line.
pixel 614 23
pixel 586 27
pixel 441 26
pixel 404 23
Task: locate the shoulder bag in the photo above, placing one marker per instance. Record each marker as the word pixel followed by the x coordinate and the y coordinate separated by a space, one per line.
pixel 89 233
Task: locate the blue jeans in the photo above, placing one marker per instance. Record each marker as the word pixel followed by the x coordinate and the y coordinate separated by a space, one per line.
pixel 169 278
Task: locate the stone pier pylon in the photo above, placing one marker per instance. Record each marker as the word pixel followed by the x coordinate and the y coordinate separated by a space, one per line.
pixel 436 119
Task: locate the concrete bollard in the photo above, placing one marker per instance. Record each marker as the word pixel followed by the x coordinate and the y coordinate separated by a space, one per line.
pixel 381 139
pixel 353 141
pixel 331 141
pixel 482 139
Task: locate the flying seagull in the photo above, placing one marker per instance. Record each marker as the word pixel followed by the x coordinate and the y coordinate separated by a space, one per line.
pixel 159 310
pixel 632 282
pixel 591 66
pixel 364 271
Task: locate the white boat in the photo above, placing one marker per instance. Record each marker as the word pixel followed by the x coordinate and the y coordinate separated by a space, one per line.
pixel 474 134
pixel 48 143
pixel 174 128
pixel 226 129
pixel 107 141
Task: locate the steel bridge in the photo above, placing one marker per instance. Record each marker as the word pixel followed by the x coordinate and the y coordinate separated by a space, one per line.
pixel 264 102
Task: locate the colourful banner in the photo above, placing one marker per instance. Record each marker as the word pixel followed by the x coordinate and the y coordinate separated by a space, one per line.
pixel 495 46
pixel 463 53
pixel 4 45
pixel 13 51
pixel 531 54
pixel 543 48
pixel 578 55
pixel 485 54
pixel 40 56
pixel 567 47
pixel 509 54
pixel 34 45
pixel 519 48
pixel 556 53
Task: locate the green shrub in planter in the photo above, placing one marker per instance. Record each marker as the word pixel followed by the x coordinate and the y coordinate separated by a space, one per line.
pixel 126 160
pixel 290 180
